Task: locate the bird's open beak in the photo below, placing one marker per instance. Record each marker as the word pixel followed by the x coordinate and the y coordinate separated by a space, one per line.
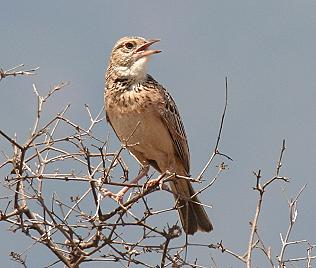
pixel 143 50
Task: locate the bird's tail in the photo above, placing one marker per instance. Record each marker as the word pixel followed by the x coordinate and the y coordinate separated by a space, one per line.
pixel 192 214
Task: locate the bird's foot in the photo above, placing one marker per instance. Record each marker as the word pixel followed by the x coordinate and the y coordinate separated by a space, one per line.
pixel 118 197
pixel 154 182
pixel 151 183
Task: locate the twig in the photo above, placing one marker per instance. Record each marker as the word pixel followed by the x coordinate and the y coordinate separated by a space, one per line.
pixel 13 71
pixel 216 150
pixel 293 216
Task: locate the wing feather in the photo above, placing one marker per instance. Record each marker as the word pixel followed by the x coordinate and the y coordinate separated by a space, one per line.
pixel 172 120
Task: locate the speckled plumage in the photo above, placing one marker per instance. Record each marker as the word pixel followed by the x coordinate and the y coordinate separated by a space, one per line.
pixel 141 111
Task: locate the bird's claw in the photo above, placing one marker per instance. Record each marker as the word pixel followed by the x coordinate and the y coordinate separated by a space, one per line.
pixel 116 197
pixel 153 183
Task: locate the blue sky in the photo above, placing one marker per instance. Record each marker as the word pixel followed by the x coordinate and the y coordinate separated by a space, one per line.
pixel 267 50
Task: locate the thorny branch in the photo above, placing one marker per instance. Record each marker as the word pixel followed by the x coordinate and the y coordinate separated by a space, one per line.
pixel 78 165
pixel 293 212
pixel 14 71
pixel 255 241
pixel 261 188
pixel 216 150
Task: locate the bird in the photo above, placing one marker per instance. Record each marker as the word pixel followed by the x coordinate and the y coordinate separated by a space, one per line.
pixel 145 117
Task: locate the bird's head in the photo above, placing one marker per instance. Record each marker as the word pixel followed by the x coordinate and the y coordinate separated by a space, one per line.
pixel 130 55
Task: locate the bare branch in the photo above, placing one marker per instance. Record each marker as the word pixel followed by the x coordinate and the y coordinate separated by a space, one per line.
pixel 14 71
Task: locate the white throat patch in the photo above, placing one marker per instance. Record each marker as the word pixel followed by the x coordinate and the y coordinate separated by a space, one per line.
pixel 138 70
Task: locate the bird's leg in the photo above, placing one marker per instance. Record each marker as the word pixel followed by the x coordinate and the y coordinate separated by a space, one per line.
pixel 118 197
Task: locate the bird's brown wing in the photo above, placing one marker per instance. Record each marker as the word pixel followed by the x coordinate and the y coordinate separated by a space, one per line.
pixel 172 120
pixel 193 216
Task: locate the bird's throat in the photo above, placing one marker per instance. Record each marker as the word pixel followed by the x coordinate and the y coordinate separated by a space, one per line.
pixel 136 73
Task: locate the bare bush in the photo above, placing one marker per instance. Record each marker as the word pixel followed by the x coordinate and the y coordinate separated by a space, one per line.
pixel 78 224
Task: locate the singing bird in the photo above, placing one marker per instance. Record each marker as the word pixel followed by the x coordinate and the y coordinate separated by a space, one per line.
pixel 144 115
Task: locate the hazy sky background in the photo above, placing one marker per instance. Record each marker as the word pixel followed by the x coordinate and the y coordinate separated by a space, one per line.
pixel 266 48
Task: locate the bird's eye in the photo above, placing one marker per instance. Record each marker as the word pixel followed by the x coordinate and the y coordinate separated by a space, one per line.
pixel 129 45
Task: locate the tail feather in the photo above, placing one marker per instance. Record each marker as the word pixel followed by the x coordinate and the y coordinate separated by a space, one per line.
pixel 192 214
